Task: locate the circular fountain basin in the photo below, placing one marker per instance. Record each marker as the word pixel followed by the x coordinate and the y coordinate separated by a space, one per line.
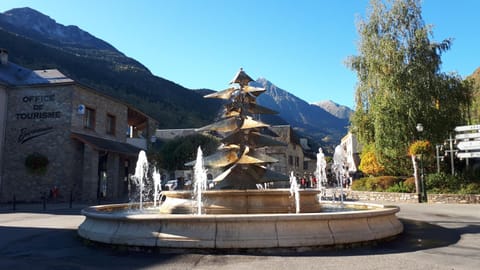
pixel 357 222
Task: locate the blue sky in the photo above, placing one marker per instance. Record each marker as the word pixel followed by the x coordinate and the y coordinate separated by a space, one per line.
pixel 299 45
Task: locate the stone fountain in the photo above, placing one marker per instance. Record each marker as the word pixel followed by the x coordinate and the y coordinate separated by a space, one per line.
pixel 237 215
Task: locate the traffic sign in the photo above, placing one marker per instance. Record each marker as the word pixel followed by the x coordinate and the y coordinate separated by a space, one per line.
pixel 463 136
pixel 468 155
pixel 469 145
pixel 467 128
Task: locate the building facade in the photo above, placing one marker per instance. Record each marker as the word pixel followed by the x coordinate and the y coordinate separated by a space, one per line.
pixel 352 149
pixel 291 156
pixel 63 139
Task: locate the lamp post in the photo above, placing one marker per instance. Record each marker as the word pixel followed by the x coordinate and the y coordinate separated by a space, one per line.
pixel 423 193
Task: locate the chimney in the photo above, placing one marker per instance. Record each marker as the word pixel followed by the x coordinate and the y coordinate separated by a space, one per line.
pixel 3 56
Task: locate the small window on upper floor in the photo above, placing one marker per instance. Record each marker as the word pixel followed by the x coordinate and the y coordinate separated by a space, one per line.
pixel 110 124
pixel 89 118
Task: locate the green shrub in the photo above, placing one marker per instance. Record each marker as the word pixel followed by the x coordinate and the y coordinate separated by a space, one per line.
pixel 36 163
pixel 470 188
pixel 442 183
pixel 379 183
pixel 359 184
pixel 371 184
pixel 385 182
pixel 399 187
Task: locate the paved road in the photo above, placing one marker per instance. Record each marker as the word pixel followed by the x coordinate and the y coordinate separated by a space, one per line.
pixel 437 236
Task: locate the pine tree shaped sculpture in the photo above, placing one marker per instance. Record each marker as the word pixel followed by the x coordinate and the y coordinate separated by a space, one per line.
pixel 241 156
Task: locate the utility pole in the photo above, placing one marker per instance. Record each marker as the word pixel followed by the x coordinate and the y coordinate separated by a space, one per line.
pixel 438 157
pixel 451 151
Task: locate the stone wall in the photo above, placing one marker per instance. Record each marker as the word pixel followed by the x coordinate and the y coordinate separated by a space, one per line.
pixel 102 106
pixel 3 115
pixel 38 121
pixel 412 197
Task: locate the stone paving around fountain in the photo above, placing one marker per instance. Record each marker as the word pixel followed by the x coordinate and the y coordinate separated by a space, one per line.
pixel 436 236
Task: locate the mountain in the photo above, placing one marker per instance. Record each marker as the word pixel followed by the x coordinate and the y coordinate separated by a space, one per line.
pixel 307 119
pixel 339 111
pixel 33 24
pixel 36 41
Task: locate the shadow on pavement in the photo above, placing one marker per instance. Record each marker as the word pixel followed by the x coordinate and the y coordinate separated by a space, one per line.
pixel 44 248
pixel 417 235
pixel 49 248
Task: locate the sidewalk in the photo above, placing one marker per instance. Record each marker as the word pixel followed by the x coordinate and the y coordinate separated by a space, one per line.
pixel 49 207
pixel 436 236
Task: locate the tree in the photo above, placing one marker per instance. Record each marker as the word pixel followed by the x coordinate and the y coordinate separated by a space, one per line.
pixel 474 81
pixel 369 163
pixel 400 83
pixel 173 154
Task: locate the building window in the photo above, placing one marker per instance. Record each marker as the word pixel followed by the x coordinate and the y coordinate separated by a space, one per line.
pixel 290 160
pixel 89 119
pixel 297 162
pixel 110 124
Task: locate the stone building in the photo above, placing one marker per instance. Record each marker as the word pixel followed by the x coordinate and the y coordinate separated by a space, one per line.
pixel 290 157
pixel 60 138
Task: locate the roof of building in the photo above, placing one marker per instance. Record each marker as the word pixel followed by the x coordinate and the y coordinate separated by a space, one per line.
pixel 107 145
pixel 13 74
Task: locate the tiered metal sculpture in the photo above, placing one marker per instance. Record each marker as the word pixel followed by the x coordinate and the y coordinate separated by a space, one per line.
pixel 240 155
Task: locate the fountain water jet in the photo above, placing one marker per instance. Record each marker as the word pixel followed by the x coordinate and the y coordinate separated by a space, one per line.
pixel 294 192
pixel 157 186
pixel 339 159
pixel 321 173
pixel 199 180
pixel 141 172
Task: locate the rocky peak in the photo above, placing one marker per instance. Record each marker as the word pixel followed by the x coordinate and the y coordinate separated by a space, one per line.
pixel 36 25
pixel 340 111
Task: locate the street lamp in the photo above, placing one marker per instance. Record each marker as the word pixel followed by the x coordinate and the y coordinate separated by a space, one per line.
pixel 420 127
pixel 423 193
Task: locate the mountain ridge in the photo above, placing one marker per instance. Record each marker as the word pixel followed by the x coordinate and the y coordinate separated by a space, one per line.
pixel 306 118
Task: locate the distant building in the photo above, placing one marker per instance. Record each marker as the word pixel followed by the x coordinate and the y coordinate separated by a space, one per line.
pixel 91 141
pixel 290 157
pixel 352 149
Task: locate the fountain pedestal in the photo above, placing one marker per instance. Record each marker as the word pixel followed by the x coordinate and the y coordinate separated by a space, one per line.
pixel 242 202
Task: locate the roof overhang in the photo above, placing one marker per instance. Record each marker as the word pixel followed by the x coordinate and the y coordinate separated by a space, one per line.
pixel 102 144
